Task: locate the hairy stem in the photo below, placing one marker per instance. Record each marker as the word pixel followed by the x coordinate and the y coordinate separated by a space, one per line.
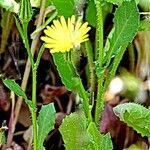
pixel 114 66
pixel 91 66
pixel 99 54
pixel 83 94
pixel 99 32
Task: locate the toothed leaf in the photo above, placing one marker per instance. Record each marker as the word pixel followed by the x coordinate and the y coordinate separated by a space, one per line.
pixel 75 136
pixel 136 116
pixel 126 22
pixel 46 120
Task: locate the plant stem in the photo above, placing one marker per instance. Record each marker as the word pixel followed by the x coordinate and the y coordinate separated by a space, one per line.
pixel 39 56
pixel 34 69
pixel 83 94
pixel 91 66
pixel 131 57
pixel 99 32
pixel 28 64
pixel 33 111
pixel 99 100
pixel 26 42
pixel 100 54
pixel 115 65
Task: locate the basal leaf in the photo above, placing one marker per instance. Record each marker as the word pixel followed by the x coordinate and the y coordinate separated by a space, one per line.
pixel 95 136
pixel 136 116
pixel 66 71
pixel 106 143
pixel 126 23
pixel 64 7
pixel 46 120
pixel 13 86
pixel 74 132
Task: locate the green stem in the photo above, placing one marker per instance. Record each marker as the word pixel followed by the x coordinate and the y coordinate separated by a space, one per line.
pixel 33 112
pixel 131 57
pixel 91 66
pixel 39 56
pixel 34 69
pixel 34 83
pixel 83 94
pixel 99 32
pixel 114 67
pixel 99 101
pixel 26 43
pixel 100 54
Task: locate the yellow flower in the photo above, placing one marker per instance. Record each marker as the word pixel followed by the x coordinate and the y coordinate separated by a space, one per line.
pixel 63 36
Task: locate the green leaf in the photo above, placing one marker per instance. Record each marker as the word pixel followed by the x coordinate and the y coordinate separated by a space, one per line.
pixel 66 71
pixel 19 27
pixel 126 22
pixel 90 13
pixel 70 79
pixel 46 120
pixel 53 14
pixel 136 116
pixel 64 7
pixel 13 86
pixel 145 25
pixel 7 21
pixel 2 137
pixel 119 2
pixel 35 3
pixel 74 132
pixel 10 5
pixel 106 142
pixel 95 136
pixel 145 5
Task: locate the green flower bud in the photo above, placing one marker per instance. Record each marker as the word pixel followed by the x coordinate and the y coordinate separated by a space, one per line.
pixel 25 11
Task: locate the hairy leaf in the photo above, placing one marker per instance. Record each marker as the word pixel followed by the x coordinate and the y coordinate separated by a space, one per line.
pixel 66 71
pixel 64 7
pixel 75 136
pixel 106 142
pixel 136 116
pixel 95 136
pixel 46 120
pixel 126 23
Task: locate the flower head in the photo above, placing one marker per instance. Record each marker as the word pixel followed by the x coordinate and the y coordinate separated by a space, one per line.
pixel 63 36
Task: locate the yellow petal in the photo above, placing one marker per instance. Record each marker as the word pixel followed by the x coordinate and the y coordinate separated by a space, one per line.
pixel 63 36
